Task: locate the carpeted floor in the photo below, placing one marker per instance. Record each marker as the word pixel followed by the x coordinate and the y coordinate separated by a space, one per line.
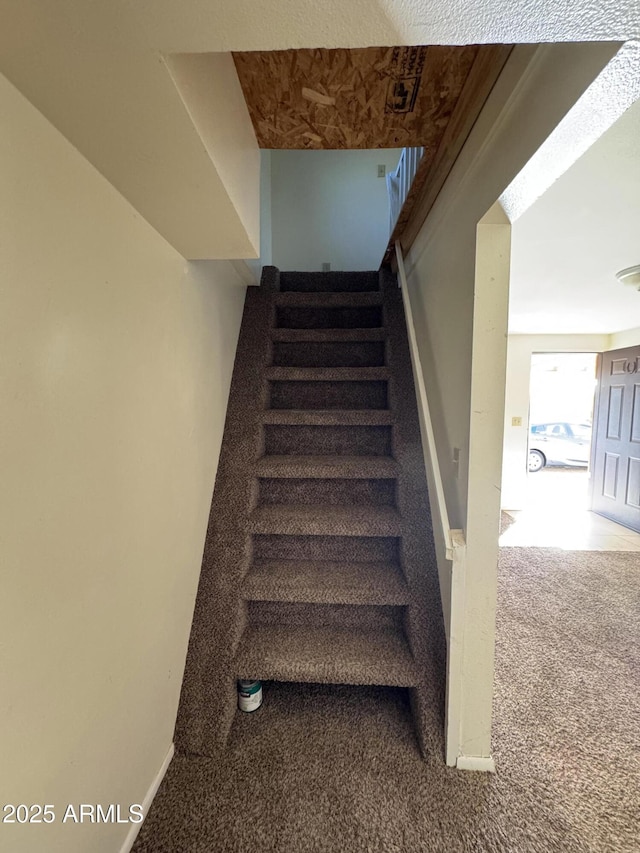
pixel 329 769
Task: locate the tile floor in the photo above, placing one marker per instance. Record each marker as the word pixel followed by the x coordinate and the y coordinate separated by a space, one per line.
pixel 556 515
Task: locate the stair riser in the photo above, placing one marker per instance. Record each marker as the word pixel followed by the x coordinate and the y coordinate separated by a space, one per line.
pixel 305 548
pixel 332 282
pixel 329 354
pixel 282 613
pixel 327 440
pixel 364 317
pixel 328 395
pixel 335 492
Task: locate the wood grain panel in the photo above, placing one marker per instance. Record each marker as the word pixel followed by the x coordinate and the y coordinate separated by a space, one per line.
pixel 378 97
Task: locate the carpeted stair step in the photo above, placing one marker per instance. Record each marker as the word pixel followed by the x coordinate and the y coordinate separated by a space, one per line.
pixel 328 354
pixel 327 491
pixel 325 655
pixel 363 467
pixel 297 520
pixel 329 281
pixel 366 394
pixel 326 335
pixel 336 549
pixel 327 374
pixel 323 581
pixel 342 440
pixel 336 317
pixel 328 300
pixel 329 417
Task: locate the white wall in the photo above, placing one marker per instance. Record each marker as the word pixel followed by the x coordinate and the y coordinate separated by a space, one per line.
pixel 461 349
pixel 209 86
pixel 519 351
pixel 115 363
pixel 330 206
pixel 628 338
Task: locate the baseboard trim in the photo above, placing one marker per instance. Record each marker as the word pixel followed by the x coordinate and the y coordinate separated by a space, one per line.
pixel 482 763
pixel 134 828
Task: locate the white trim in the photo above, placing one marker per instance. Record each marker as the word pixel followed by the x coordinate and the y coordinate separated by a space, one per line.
pixel 483 763
pixel 134 828
pixel 455 651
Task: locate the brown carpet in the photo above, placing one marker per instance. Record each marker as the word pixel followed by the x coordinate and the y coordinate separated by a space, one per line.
pixel 335 768
pixel 319 564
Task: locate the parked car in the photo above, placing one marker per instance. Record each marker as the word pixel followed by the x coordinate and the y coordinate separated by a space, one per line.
pixel 559 443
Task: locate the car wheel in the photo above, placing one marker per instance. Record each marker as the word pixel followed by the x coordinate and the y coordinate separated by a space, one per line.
pixel 536 461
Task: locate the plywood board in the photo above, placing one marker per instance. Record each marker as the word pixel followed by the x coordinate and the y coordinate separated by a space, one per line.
pixel 434 169
pixel 378 97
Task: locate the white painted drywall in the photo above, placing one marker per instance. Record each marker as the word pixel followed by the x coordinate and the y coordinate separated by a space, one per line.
pixel 92 72
pixel 279 24
pixel 568 246
pixel 115 364
pixel 628 338
pixel 537 88
pixel 520 348
pixel 330 206
pixel 209 86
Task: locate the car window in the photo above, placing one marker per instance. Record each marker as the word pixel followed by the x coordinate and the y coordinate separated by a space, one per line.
pixel 581 431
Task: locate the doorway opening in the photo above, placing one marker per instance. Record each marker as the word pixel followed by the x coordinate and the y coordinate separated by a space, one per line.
pixel 556 507
pixel 561 395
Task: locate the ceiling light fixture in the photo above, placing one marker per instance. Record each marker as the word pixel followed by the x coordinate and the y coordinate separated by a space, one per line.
pixel 630 276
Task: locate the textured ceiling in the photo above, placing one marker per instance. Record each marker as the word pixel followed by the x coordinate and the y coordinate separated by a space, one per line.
pixel 376 97
pixel 568 246
pixel 210 25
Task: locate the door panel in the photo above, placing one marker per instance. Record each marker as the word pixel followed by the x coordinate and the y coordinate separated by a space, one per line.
pixel 633 483
pixel 635 415
pixel 615 478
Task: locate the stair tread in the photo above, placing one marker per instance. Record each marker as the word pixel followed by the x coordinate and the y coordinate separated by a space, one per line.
pixel 334 466
pixel 327 374
pixel 328 299
pixel 320 520
pixel 325 655
pixel 326 582
pixel 329 417
pixel 328 335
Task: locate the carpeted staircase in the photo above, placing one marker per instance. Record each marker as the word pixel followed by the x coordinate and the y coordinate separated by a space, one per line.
pixel 319 563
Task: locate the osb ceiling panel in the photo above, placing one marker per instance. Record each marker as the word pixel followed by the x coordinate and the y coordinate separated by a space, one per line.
pixel 378 97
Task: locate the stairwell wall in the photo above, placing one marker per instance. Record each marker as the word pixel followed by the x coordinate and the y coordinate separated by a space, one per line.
pixel 330 206
pixel 115 364
pixel 459 323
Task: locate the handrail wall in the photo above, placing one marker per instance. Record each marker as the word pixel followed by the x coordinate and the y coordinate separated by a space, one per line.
pixel 453 540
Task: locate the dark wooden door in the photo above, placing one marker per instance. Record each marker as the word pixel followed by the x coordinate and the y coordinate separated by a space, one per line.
pixel 615 458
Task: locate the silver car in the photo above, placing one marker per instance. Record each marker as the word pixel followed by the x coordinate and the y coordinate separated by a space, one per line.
pixel 559 443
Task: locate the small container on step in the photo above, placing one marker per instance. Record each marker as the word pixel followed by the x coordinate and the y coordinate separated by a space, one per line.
pixel 249 695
